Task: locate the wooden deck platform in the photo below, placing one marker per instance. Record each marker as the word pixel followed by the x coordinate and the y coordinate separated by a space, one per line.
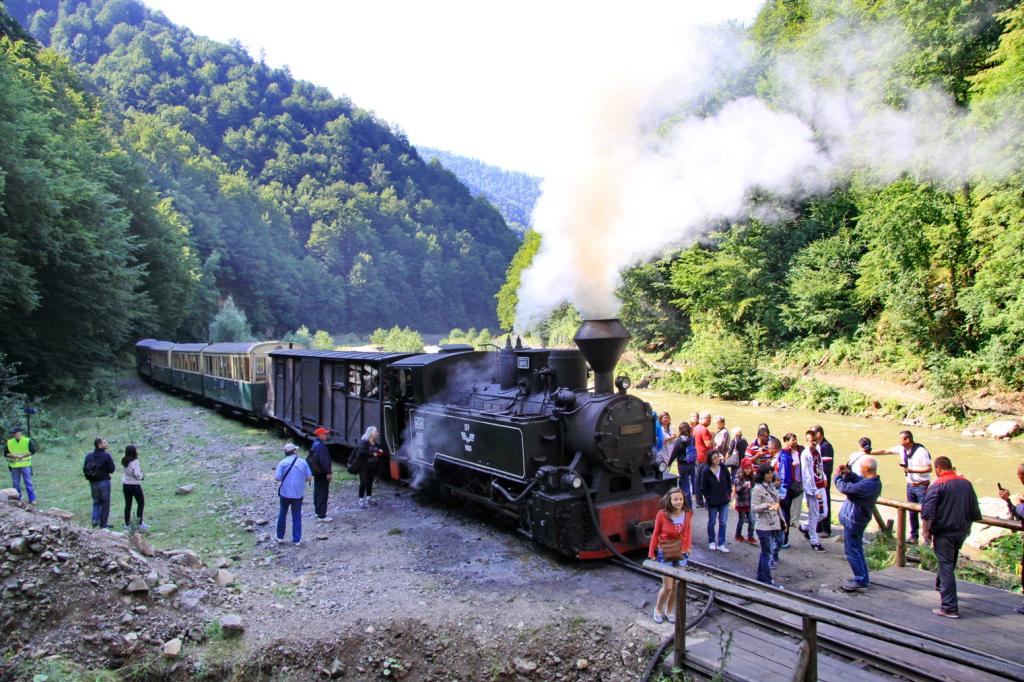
pixel 902 596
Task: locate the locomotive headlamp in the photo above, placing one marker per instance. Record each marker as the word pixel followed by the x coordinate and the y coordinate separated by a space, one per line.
pixel 622 382
pixel 572 480
pixel 662 467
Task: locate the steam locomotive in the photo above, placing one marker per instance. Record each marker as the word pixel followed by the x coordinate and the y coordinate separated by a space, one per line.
pixel 515 430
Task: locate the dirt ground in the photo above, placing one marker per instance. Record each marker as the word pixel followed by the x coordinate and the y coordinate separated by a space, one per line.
pixel 407 590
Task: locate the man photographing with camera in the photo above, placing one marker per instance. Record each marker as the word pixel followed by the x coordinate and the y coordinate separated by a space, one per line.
pixel 1016 512
pixel 861 491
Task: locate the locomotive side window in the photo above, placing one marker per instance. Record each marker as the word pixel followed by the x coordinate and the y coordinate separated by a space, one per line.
pixel 371 381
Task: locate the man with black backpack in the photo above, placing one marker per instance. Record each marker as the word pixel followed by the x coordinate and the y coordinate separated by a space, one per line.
pixel 97 469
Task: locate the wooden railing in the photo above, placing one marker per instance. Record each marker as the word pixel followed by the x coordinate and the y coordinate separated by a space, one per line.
pixel 903 507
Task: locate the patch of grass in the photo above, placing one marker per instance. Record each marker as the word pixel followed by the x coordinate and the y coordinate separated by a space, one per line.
pixel 199 521
pixel 283 591
pixel 63 670
pixel 394 531
pixel 880 552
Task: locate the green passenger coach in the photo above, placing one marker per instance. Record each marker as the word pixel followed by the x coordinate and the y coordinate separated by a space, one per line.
pixel 235 374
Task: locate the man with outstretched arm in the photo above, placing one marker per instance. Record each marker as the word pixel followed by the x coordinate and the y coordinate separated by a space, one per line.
pixel 1016 512
pixel 916 462
pixel 949 509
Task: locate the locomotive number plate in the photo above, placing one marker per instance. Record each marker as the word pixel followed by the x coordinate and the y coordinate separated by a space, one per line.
pixel 631 429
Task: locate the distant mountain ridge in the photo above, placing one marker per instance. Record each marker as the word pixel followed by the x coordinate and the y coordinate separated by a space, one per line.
pixel 303 207
pixel 513 193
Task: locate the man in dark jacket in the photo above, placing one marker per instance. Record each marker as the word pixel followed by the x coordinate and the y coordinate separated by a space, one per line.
pixel 861 494
pixel 321 466
pixel 97 468
pixel 948 510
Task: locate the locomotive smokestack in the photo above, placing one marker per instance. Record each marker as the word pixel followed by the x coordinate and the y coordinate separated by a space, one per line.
pixel 601 342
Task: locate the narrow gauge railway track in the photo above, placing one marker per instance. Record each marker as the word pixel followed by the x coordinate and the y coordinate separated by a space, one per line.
pixel 891 658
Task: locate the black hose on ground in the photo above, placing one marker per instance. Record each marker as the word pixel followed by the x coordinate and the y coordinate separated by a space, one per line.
pixel 660 651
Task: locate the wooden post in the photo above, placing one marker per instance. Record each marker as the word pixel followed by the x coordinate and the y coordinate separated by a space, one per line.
pixel 901 537
pixel 680 642
pixel 882 525
pixel 810 632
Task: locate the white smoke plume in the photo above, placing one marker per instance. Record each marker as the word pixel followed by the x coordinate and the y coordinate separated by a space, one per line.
pixel 627 195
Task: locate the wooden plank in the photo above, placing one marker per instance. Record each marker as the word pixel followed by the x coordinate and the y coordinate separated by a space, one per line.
pixel 950 670
pixel 975 599
pixel 761 655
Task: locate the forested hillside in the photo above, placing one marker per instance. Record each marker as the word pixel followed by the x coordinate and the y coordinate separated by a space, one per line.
pixel 512 192
pixel 910 277
pixel 301 206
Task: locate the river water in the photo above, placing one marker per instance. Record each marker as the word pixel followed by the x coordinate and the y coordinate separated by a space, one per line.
pixel 983 460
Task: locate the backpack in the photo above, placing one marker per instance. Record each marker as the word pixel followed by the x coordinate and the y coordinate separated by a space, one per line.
pixel 691 454
pixel 354 463
pixel 92 469
pixel 314 465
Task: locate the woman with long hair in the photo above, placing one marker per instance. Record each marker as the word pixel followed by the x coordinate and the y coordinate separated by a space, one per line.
pixel 131 486
pixel 368 454
pixel 717 488
pixel 670 544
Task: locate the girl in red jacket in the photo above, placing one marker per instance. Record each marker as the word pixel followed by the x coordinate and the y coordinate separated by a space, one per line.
pixel 672 524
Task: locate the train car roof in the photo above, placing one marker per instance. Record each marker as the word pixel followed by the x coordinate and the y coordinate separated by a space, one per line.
pixel 188 347
pixel 241 348
pixel 145 343
pixel 361 356
pixel 162 345
pixel 425 359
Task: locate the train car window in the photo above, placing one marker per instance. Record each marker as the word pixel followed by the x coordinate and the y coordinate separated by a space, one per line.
pixel 371 382
pixel 261 368
pixel 355 384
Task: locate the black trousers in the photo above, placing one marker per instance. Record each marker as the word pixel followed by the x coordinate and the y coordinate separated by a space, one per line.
pixel 321 486
pixel 947 550
pixel 132 492
pixel 367 473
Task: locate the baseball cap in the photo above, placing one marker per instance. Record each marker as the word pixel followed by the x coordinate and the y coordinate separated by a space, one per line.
pixel 290 447
pixel 321 431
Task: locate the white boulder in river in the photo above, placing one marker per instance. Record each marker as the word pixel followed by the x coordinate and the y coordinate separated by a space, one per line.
pixel 1004 428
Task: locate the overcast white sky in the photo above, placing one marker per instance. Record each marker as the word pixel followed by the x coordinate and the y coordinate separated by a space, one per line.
pixel 498 81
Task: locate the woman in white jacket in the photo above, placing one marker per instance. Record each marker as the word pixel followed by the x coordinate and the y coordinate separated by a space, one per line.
pixel 131 485
pixel 812 473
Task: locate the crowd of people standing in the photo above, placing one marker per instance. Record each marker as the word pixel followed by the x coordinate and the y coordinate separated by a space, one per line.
pixel 774 485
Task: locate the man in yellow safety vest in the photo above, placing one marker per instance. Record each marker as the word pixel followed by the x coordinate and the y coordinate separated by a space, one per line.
pixel 19 450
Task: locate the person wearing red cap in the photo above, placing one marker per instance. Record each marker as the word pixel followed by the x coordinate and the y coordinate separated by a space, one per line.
pixel 743 483
pixel 320 463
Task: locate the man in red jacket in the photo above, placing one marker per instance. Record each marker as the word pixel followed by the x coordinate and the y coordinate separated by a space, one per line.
pixel 950 507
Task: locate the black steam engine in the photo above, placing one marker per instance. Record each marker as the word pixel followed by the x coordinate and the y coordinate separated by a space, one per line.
pixel 518 431
pixel 514 430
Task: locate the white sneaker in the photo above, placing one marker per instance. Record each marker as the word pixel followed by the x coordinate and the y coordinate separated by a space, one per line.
pixel 324 519
pixel 712 546
pixel 723 548
pixel 371 501
pixel 297 543
pixel 362 503
pixel 280 541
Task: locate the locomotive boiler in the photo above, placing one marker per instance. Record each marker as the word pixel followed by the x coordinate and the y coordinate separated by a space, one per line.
pixel 518 432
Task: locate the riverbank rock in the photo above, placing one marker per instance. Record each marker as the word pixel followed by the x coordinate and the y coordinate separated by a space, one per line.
pixel 10 494
pixel 1004 428
pixel 172 648
pixel 232 624
pixel 185 489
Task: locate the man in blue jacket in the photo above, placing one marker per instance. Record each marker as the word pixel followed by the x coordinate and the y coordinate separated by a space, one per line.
pixel 861 494
pixel 320 464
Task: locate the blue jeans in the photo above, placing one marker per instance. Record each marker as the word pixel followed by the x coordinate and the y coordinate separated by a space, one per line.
pixel 720 514
pixel 744 517
pixel 778 539
pixel 295 503
pixel 100 503
pixel 687 483
pixel 19 474
pixel 915 493
pixel 764 561
pixel 853 543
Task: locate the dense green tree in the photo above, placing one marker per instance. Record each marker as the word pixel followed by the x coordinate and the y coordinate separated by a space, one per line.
pixel 508 296
pixel 230 324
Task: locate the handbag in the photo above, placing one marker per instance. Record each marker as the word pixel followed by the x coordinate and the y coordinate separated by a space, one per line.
pixel 733 460
pixel 671 550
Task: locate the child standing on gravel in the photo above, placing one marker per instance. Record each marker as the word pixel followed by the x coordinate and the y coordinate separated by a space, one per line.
pixel 742 485
pixel 131 486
